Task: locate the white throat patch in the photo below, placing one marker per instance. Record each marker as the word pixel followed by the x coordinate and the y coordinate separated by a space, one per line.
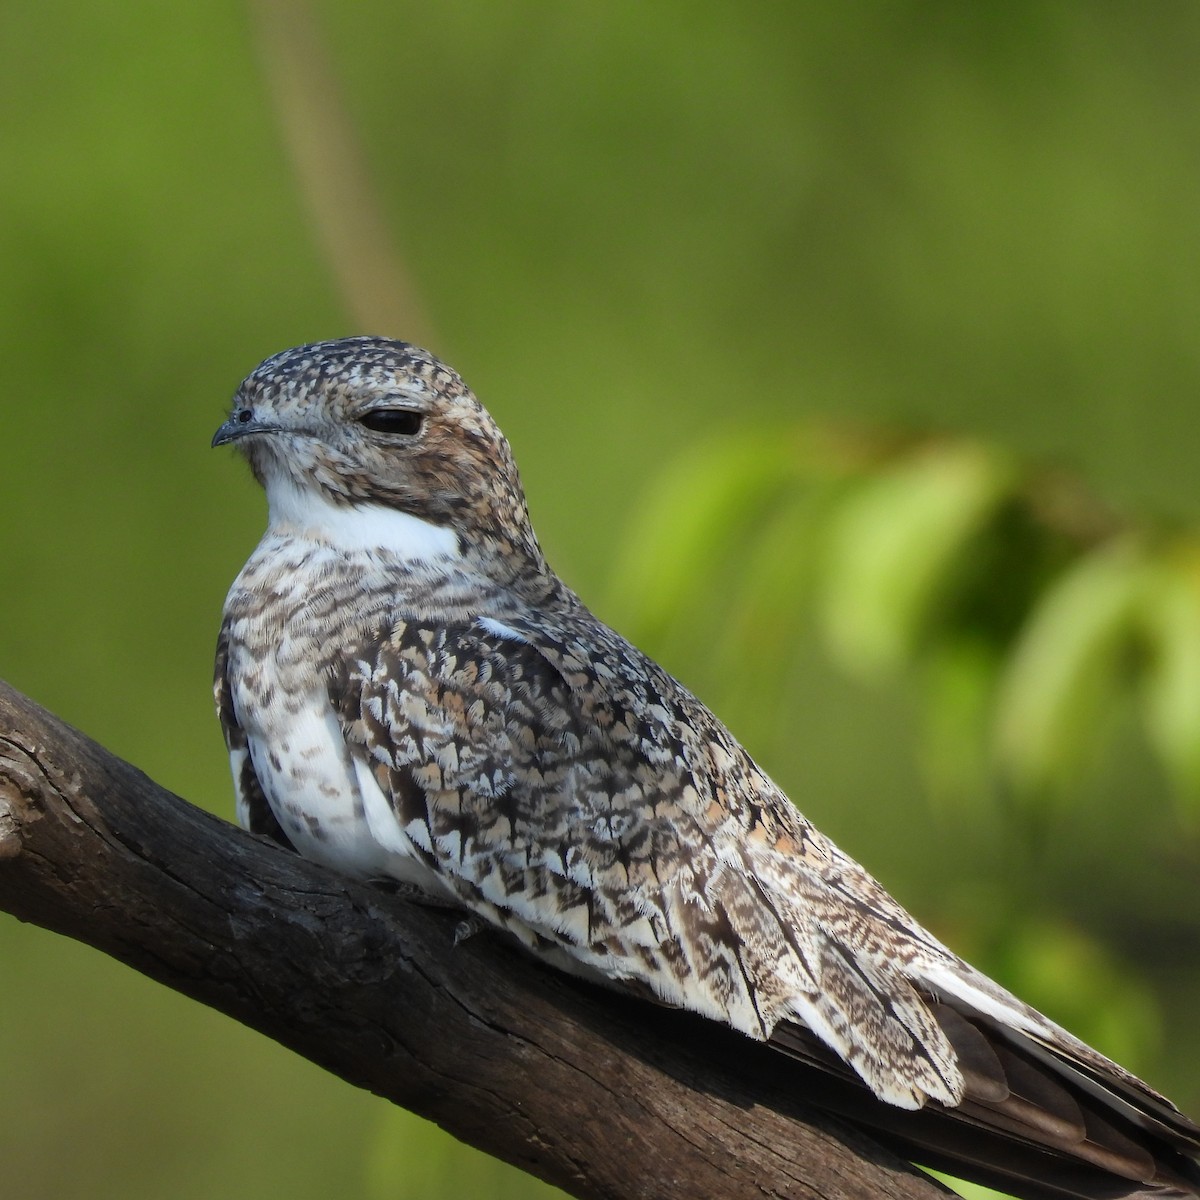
pixel 308 512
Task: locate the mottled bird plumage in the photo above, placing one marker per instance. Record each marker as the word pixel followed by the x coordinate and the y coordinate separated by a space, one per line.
pixel 408 690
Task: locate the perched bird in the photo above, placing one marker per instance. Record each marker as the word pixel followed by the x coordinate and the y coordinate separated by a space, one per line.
pixel 408 691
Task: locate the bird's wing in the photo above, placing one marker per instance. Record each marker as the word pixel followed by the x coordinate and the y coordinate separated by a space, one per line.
pixel 506 782
pixel 253 811
pixel 568 789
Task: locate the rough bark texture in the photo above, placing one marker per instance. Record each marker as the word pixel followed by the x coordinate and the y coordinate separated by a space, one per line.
pixel 604 1096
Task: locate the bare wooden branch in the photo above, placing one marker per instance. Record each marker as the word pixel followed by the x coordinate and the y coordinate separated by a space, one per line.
pixel 604 1096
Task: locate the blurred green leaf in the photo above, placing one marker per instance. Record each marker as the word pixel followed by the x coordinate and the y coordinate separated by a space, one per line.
pixel 1064 668
pixel 894 544
pixel 1170 692
pixel 708 500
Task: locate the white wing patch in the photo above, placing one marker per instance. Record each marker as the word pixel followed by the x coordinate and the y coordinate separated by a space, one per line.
pixel 500 630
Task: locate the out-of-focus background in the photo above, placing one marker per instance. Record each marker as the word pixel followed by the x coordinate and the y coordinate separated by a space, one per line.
pixel 644 233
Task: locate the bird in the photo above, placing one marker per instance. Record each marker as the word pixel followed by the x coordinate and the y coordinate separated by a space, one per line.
pixel 408 692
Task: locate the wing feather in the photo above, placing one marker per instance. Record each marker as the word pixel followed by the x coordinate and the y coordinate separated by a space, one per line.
pixel 597 810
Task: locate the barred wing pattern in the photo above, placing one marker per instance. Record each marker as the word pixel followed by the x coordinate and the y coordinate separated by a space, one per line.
pixel 571 791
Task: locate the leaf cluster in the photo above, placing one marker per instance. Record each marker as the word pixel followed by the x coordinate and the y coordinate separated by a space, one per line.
pixel 1029 614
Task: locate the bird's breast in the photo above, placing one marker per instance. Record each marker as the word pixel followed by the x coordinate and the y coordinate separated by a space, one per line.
pixel 295 611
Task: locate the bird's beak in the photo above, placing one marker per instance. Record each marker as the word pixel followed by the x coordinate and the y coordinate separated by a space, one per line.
pixel 241 423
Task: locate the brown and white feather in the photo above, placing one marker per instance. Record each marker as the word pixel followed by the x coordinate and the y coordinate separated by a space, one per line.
pixel 408 690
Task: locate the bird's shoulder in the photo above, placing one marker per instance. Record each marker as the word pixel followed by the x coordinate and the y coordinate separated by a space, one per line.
pixel 549 700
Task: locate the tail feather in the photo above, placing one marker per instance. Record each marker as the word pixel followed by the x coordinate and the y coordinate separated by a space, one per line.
pixel 1032 1122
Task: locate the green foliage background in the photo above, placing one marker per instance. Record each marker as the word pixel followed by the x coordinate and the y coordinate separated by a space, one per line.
pixel 636 229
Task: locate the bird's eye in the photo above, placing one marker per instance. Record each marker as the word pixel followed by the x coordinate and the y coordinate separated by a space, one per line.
pixel 392 420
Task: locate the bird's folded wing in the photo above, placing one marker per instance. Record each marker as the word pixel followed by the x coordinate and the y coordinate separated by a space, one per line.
pixel 590 805
pixel 587 802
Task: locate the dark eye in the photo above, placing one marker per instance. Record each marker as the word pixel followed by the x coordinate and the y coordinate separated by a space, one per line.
pixel 392 420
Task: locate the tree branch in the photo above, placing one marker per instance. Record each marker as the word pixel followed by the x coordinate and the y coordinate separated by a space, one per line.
pixel 604 1096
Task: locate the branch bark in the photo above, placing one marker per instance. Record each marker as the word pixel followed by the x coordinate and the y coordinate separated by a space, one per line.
pixel 607 1097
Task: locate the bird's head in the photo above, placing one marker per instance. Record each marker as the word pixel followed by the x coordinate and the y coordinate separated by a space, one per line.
pixel 367 423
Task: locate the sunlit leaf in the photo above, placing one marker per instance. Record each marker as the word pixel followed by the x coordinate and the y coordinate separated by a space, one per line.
pixel 706 500
pixel 1063 670
pixel 894 543
pixel 1170 613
